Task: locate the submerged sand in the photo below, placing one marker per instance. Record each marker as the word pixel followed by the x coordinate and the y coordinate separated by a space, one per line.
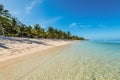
pixel 77 61
pixel 15 47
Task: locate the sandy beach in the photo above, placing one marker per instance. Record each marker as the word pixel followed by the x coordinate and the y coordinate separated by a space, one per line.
pixel 15 47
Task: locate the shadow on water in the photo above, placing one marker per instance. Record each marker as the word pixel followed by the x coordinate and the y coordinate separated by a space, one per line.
pixel 3 46
pixel 25 40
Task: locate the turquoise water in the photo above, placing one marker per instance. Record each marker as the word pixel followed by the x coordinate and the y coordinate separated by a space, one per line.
pixel 83 60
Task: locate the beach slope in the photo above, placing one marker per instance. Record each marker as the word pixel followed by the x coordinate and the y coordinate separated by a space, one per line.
pixel 15 47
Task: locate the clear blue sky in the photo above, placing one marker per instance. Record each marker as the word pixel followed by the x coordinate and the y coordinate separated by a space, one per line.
pixel 94 19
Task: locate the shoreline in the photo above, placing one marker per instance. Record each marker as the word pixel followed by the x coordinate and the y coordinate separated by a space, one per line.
pixel 11 48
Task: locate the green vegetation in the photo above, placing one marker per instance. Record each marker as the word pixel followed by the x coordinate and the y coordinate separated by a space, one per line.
pixel 16 28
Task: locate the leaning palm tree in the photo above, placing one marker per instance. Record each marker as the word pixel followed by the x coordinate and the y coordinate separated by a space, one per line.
pixel 4 17
pixel 3 12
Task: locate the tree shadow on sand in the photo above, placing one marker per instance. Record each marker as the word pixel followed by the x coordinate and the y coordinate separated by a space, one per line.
pixel 3 46
pixel 26 40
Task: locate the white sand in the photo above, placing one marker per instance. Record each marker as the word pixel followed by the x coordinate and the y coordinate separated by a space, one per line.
pixel 15 47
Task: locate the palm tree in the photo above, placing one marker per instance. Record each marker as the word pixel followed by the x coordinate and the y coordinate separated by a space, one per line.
pixel 28 31
pixel 14 26
pixel 37 30
pixel 68 35
pixel 3 12
pixel 21 30
pixel 50 32
pixel 4 17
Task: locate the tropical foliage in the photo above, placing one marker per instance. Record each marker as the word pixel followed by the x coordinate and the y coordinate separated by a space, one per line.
pixel 17 29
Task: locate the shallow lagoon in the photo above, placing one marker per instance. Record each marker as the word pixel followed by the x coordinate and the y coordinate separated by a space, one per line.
pixel 82 60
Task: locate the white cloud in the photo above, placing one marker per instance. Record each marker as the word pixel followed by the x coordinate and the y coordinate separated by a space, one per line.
pixel 48 22
pixel 75 24
pixel 32 4
pixel 84 26
pixel 15 12
pixel 52 20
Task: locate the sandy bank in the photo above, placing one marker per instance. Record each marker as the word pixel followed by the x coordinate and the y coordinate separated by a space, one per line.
pixel 15 47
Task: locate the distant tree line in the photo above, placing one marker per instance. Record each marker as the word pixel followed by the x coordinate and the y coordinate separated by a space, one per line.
pixel 16 28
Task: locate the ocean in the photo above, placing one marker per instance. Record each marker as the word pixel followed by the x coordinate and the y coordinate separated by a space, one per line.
pixel 81 60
